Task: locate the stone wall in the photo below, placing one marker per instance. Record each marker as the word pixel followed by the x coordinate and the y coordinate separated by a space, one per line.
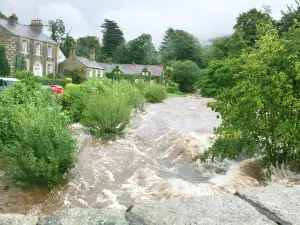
pixel 11 47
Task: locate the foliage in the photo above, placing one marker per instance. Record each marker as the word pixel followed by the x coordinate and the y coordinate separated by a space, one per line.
pixel 47 81
pixel 112 38
pixel 289 17
pixel 186 73
pixel 172 87
pixel 260 114
pixel 85 44
pixel 57 29
pixel 24 75
pixel 20 62
pixel 247 23
pixel 2 16
pixel 68 80
pixel 129 77
pixel 35 140
pixel 182 46
pixel 4 65
pixel 155 93
pixel 166 40
pixel 77 75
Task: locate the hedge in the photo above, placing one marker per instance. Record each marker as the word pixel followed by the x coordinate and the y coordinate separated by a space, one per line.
pixel 131 77
pixel 47 81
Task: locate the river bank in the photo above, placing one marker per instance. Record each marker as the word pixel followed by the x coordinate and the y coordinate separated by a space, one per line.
pixel 260 206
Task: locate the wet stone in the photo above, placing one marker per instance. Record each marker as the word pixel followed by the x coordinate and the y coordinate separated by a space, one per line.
pixel 17 219
pixel 280 202
pixel 205 210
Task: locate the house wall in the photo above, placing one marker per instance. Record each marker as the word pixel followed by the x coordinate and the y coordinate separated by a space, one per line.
pixel 71 64
pixel 13 47
pixel 10 43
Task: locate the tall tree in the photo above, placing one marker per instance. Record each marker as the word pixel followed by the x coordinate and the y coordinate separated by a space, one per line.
pixel 85 44
pixel 141 50
pixel 112 38
pixel 20 62
pixel 57 29
pixel 4 65
pixel 121 54
pixel 166 40
pixel 66 45
pixel 183 46
pixel 247 23
pixel 289 16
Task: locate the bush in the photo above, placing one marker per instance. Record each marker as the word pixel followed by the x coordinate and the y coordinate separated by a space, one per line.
pixel 107 114
pixel 20 62
pixel 186 74
pixel 77 75
pixel 35 140
pixel 172 87
pixel 68 80
pixel 4 65
pixel 155 93
pixel 48 81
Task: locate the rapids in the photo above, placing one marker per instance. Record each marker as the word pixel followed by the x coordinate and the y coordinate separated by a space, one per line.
pixel 153 162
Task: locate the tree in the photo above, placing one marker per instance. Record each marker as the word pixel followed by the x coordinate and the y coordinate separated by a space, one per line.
pixel 4 65
pixel 57 29
pixel 66 45
pixel 112 38
pixel 183 46
pixel 2 16
pixel 121 54
pixel 166 39
pixel 20 62
pixel 141 50
pixel 247 23
pixel 186 74
pixel 85 44
pixel 260 114
pixel 289 17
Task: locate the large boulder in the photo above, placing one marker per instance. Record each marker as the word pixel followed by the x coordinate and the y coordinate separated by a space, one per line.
pixel 80 216
pixel 17 219
pixel 282 204
pixel 206 210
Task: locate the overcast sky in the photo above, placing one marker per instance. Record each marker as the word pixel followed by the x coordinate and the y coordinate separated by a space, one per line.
pixel 204 18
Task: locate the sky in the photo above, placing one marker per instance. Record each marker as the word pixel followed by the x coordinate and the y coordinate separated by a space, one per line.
pixel 205 19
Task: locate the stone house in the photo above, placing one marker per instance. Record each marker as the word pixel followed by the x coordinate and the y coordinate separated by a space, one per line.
pixel 41 51
pixel 89 65
pixel 134 69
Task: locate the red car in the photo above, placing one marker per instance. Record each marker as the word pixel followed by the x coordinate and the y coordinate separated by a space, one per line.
pixel 56 88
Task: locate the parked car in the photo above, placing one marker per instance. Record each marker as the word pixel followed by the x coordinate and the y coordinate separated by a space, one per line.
pixel 7 82
pixel 58 89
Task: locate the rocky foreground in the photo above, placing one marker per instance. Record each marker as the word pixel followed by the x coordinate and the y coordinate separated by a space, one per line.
pixel 269 205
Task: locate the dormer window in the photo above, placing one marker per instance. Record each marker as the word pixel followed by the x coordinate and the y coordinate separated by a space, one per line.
pixel 38 49
pixel 50 51
pixel 25 47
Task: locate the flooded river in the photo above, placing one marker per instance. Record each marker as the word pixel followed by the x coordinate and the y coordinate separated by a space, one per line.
pixel 153 162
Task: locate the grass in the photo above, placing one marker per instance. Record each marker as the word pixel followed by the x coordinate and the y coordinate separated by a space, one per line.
pixel 174 95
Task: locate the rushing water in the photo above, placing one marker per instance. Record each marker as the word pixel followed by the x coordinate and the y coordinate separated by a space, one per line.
pixel 152 163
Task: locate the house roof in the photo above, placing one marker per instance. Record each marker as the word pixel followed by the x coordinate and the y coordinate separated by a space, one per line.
pixel 25 31
pixel 130 69
pixel 89 63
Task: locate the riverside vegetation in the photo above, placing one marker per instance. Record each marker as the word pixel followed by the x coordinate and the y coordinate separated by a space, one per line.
pixel 37 147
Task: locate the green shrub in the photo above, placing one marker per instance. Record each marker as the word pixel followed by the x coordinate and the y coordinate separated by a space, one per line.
pixel 20 62
pixel 155 93
pixel 172 87
pixel 24 75
pixel 107 114
pixel 48 81
pixel 35 141
pixel 68 80
pixel 77 75
pixel 4 65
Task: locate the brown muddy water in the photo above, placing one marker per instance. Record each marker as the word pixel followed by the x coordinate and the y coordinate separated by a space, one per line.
pixel 153 162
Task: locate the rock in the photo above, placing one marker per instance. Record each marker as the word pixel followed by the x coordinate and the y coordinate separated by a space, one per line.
pixel 17 219
pixel 281 202
pixel 206 210
pixel 79 216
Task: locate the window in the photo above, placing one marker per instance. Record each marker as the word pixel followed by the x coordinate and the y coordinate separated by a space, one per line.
pixel 143 73
pixel 49 68
pixel 38 49
pixel 50 51
pixel 24 46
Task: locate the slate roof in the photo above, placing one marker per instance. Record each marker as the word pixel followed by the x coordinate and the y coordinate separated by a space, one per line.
pixel 25 31
pixel 89 63
pixel 130 69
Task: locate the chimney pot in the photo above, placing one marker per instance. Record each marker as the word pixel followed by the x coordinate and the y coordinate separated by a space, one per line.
pixel 92 54
pixel 133 63
pixel 37 25
pixel 161 66
pixel 13 19
pixel 73 51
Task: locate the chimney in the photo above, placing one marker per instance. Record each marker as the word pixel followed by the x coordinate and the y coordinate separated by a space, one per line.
pixel 133 63
pixel 92 54
pixel 110 62
pixel 37 25
pixel 73 51
pixel 13 19
pixel 161 66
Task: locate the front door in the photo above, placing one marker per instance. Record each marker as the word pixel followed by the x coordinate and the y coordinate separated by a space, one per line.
pixel 38 69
